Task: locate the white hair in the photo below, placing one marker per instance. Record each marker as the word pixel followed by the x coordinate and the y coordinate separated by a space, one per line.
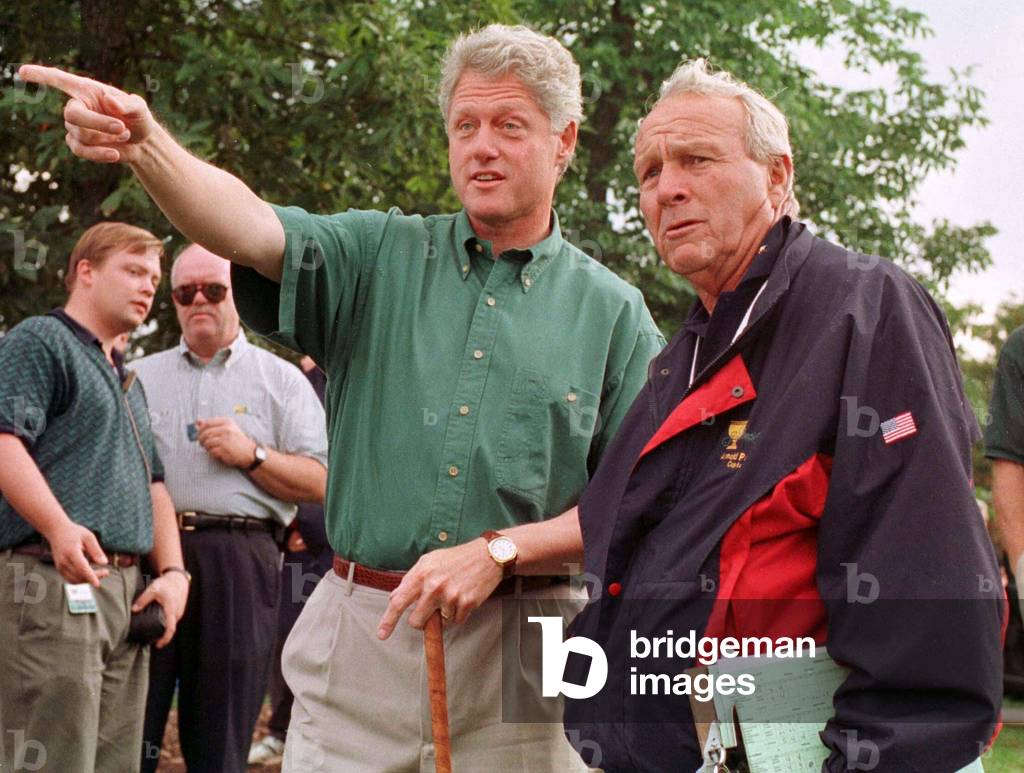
pixel 767 134
pixel 545 67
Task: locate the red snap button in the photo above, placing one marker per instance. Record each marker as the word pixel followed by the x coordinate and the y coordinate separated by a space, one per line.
pixel 614 589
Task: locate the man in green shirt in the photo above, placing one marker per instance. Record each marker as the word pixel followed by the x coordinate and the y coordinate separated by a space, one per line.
pixel 478 366
pixel 1004 445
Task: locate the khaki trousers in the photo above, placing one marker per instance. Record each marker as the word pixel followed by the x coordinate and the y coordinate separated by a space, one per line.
pixel 362 704
pixel 72 691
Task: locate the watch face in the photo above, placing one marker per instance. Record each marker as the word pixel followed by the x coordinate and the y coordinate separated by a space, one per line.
pixel 261 453
pixel 503 549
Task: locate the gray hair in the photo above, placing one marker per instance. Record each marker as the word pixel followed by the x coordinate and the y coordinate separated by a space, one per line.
pixel 544 65
pixel 767 134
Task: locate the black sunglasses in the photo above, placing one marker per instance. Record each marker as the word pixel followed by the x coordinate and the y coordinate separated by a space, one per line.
pixel 213 292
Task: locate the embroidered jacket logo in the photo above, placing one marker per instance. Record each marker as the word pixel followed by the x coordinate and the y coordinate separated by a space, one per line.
pixel 732 456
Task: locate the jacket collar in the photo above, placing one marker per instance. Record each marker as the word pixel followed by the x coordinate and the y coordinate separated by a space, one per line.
pixel 792 256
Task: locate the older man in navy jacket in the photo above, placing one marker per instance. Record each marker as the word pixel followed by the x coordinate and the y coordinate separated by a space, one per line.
pixel 798 464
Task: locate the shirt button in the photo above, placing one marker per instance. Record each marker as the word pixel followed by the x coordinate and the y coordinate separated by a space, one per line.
pixel 463 410
pixel 571 397
pixel 465 269
pixel 614 589
pixel 665 371
pixel 527 282
pixel 478 355
pixel 737 391
pixel 479 247
pixel 442 536
pixel 453 470
pixel 491 301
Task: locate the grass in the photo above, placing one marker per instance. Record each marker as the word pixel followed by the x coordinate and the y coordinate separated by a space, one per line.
pixel 1007 755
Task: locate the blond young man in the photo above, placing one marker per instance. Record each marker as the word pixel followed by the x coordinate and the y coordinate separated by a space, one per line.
pixel 82 502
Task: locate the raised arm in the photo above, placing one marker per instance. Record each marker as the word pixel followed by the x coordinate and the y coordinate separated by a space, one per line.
pixel 208 205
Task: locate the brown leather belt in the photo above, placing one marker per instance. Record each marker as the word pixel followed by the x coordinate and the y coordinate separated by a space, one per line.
pixel 388 581
pixel 36 549
pixel 192 521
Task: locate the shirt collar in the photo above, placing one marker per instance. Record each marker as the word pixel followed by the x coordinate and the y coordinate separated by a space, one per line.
pixel 87 337
pixel 535 259
pixel 227 356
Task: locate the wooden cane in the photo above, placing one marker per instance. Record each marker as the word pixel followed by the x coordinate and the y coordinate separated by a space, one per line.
pixel 433 643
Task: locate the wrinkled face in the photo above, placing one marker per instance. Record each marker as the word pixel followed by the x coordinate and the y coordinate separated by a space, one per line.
pixel 503 156
pixel 704 199
pixel 122 287
pixel 203 320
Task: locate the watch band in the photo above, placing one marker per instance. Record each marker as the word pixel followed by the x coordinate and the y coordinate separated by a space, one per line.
pixel 258 458
pixel 179 570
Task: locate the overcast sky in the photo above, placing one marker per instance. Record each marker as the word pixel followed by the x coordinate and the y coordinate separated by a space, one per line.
pixel 986 184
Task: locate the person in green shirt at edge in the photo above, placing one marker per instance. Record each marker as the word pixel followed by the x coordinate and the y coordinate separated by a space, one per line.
pixel 1004 445
pixel 478 365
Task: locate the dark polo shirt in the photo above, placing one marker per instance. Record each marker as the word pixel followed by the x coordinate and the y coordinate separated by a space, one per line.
pixel 70 406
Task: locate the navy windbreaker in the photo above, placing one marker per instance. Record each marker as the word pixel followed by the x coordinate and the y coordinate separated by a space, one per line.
pixel 814 480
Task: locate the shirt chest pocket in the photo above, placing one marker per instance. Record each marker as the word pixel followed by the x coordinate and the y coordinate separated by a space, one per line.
pixel 545 441
pixel 250 419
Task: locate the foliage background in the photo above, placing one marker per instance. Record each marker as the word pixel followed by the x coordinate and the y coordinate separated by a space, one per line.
pixel 331 104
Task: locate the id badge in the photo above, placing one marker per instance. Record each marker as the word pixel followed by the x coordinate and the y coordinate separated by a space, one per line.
pixel 80 598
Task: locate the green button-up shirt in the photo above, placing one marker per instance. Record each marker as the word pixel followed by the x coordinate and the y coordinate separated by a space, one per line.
pixel 464 393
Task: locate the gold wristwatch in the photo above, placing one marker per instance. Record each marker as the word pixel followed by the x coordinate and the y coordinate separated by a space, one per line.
pixel 502 550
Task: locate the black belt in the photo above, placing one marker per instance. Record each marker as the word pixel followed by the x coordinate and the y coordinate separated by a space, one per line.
pixel 192 521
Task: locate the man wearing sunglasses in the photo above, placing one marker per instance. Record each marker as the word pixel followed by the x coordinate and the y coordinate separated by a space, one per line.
pixel 243 438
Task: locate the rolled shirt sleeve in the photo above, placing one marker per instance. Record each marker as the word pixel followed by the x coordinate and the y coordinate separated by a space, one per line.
pixel 324 271
pixel 304 428
pixel 31 384
pixel 157 466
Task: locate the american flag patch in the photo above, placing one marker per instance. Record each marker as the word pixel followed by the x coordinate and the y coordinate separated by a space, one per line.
pixel 898 427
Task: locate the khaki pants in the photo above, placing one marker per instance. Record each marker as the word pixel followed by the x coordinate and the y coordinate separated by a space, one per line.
pixel 72 691
pixel 362 704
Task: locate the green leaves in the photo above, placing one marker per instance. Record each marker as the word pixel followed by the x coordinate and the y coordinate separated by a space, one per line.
pixel 330 105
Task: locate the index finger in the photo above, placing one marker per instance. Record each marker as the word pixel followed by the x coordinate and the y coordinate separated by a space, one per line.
pixel 401 599
pixel 214 421
pixel 73 85
pixel 81 571
pixel 144 598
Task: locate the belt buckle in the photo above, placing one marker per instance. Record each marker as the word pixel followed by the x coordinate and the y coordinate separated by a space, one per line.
pixel 181 521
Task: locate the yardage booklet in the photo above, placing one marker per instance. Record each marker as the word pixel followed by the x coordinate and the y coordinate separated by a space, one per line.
pixel 781 720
